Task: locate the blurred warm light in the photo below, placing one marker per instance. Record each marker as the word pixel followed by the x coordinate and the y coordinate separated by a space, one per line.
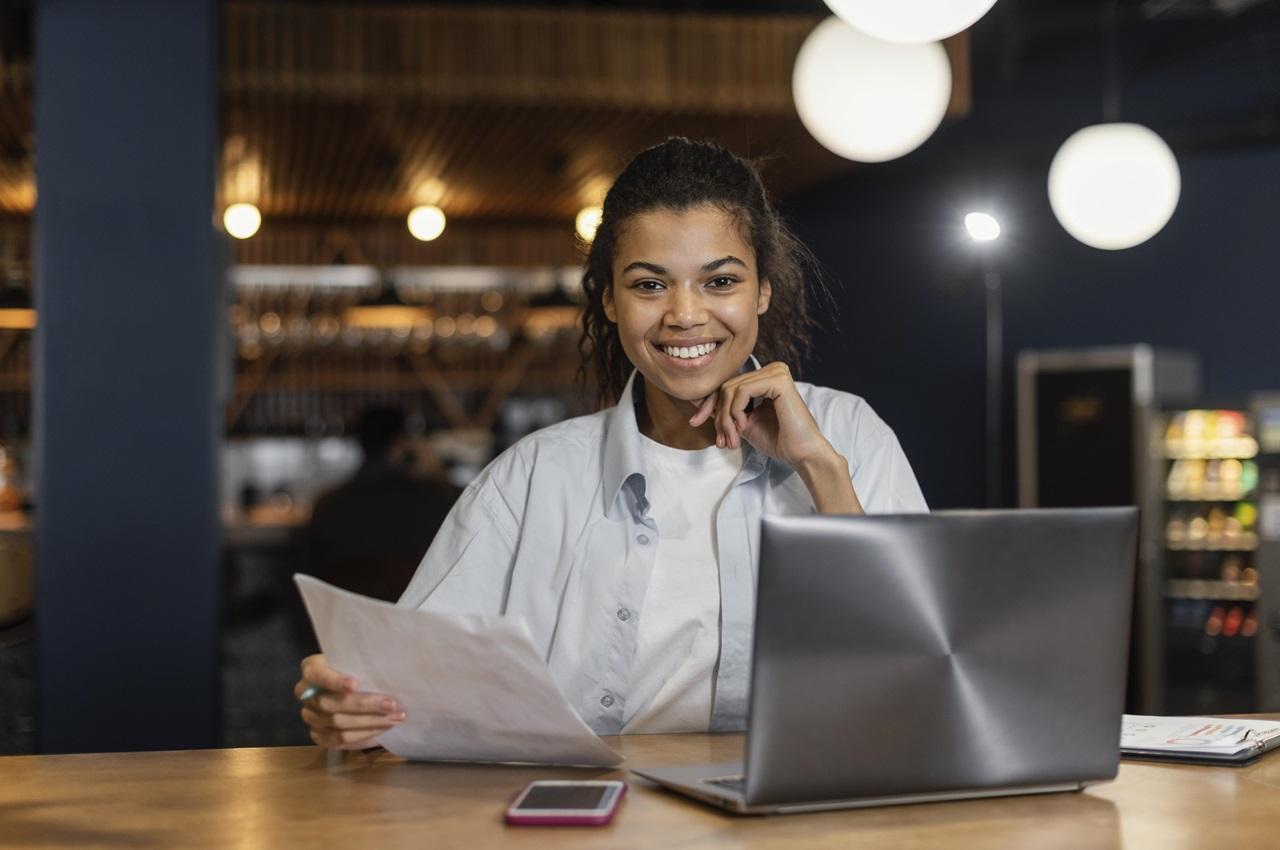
pixel 983 227
pixel 324 329
pixel 445 326
pixel 486 326
pixel 17 319
pixel 910 21
pixel 1113 186
pixel 426 222
pixel 383 316
pixel 430 190
pixel 587 222
pixel 542 321
pixel 866 99
pixel 491 301
pixel 242 220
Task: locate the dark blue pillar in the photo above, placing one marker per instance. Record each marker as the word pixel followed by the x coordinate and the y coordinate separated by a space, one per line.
pixel 126 423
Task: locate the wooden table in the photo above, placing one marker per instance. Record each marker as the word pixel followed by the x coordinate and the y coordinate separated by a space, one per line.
pixel 305 797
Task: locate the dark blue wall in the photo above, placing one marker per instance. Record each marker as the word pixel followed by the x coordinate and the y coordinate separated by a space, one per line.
pixel 910 335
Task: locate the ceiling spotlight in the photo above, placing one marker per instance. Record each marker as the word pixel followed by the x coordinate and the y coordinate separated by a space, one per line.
pixel 426 222
pixel 983 227
pixel 866 99
pixel 911 21
pixel 242 220
pixel 587 222
pixel 1113 186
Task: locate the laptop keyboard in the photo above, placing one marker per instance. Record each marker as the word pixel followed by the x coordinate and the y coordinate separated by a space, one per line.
pixel 732 783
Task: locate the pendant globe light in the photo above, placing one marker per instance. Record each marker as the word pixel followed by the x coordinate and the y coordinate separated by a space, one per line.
pixel 910 21
pixel 866 99
pixel 1113 186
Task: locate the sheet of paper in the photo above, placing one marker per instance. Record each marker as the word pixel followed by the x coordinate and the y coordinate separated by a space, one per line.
pixel 474 688
pixel 1194 734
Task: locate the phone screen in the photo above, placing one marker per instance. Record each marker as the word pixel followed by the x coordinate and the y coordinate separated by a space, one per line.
pixel 564 797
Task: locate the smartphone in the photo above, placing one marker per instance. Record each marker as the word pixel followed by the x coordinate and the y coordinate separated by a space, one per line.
pixel 566 802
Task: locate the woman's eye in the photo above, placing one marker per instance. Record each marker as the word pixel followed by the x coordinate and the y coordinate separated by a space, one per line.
pixel 647 285
pixel 723 282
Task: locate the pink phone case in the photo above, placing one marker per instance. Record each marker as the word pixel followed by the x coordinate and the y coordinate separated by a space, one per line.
pixel 534 818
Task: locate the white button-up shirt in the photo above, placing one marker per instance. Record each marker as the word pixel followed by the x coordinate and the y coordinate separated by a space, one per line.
pixel 558 530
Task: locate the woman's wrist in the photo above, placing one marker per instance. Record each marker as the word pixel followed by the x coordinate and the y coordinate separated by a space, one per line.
pixel 826 475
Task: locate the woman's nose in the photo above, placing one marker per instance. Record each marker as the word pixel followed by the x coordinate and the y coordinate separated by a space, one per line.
pixel 686 309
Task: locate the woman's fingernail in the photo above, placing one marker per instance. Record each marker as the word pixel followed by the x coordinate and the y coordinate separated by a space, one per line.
pixel 397 717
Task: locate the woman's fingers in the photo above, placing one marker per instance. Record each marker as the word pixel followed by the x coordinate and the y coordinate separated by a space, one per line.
pixel 706 408
pixel 316 672
pixel 726 431
pixel 375 723
pixel 735 397
pixel 357 703
pixel 349 730
pixel 335 739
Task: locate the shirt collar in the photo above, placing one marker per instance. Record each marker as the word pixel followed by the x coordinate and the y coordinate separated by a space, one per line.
pixel 624 452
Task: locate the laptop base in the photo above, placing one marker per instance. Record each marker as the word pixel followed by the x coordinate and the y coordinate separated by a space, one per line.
pixel 699 781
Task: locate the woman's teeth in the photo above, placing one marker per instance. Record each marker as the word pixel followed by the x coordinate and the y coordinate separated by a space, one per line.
pixel 689 352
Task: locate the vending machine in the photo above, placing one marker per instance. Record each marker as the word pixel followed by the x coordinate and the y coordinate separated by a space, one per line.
pixel 1266 411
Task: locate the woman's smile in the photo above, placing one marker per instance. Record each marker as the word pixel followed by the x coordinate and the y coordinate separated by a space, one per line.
pixel 689 354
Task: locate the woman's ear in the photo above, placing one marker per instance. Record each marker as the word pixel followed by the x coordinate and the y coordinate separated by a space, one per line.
pixel 762 300
pixel 610 311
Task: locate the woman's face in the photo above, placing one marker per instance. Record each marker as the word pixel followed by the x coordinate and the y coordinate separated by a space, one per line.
pixel 686 298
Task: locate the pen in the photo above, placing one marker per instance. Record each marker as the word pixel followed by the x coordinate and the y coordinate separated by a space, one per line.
pixel 311 691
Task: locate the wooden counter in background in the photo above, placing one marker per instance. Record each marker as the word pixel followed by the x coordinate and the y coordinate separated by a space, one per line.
pixel 262 530
pixel 305 797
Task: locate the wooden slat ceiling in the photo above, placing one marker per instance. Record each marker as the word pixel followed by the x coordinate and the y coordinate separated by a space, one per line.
pixel 511 119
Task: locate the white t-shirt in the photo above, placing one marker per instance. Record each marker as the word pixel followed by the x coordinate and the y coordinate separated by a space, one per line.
pixel 678 640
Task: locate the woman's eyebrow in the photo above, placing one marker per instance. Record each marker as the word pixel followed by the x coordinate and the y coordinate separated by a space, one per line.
pixel 661 270
pixel 650 267
pixel 723 261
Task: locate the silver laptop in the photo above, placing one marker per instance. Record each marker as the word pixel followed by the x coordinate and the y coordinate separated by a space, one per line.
pixel 913 658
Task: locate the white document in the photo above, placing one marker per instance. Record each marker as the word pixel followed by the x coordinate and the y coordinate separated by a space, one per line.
pixel 474 688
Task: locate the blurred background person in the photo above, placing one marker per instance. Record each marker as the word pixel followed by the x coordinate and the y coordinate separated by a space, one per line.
pixel 369 533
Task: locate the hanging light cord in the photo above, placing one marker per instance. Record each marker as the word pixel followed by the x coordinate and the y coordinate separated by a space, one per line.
pixel 1112 71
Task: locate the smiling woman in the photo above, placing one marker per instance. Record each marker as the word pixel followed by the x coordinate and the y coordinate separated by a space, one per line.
pixel 626 539
pixel 687 322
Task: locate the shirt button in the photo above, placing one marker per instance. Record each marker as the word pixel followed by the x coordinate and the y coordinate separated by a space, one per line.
pixel 624 614
pixel 606 700
pixel 642 539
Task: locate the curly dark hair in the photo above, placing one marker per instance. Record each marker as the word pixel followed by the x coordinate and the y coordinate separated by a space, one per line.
pixel 679 174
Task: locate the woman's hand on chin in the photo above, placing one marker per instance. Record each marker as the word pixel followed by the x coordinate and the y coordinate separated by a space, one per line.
pixel 782 427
